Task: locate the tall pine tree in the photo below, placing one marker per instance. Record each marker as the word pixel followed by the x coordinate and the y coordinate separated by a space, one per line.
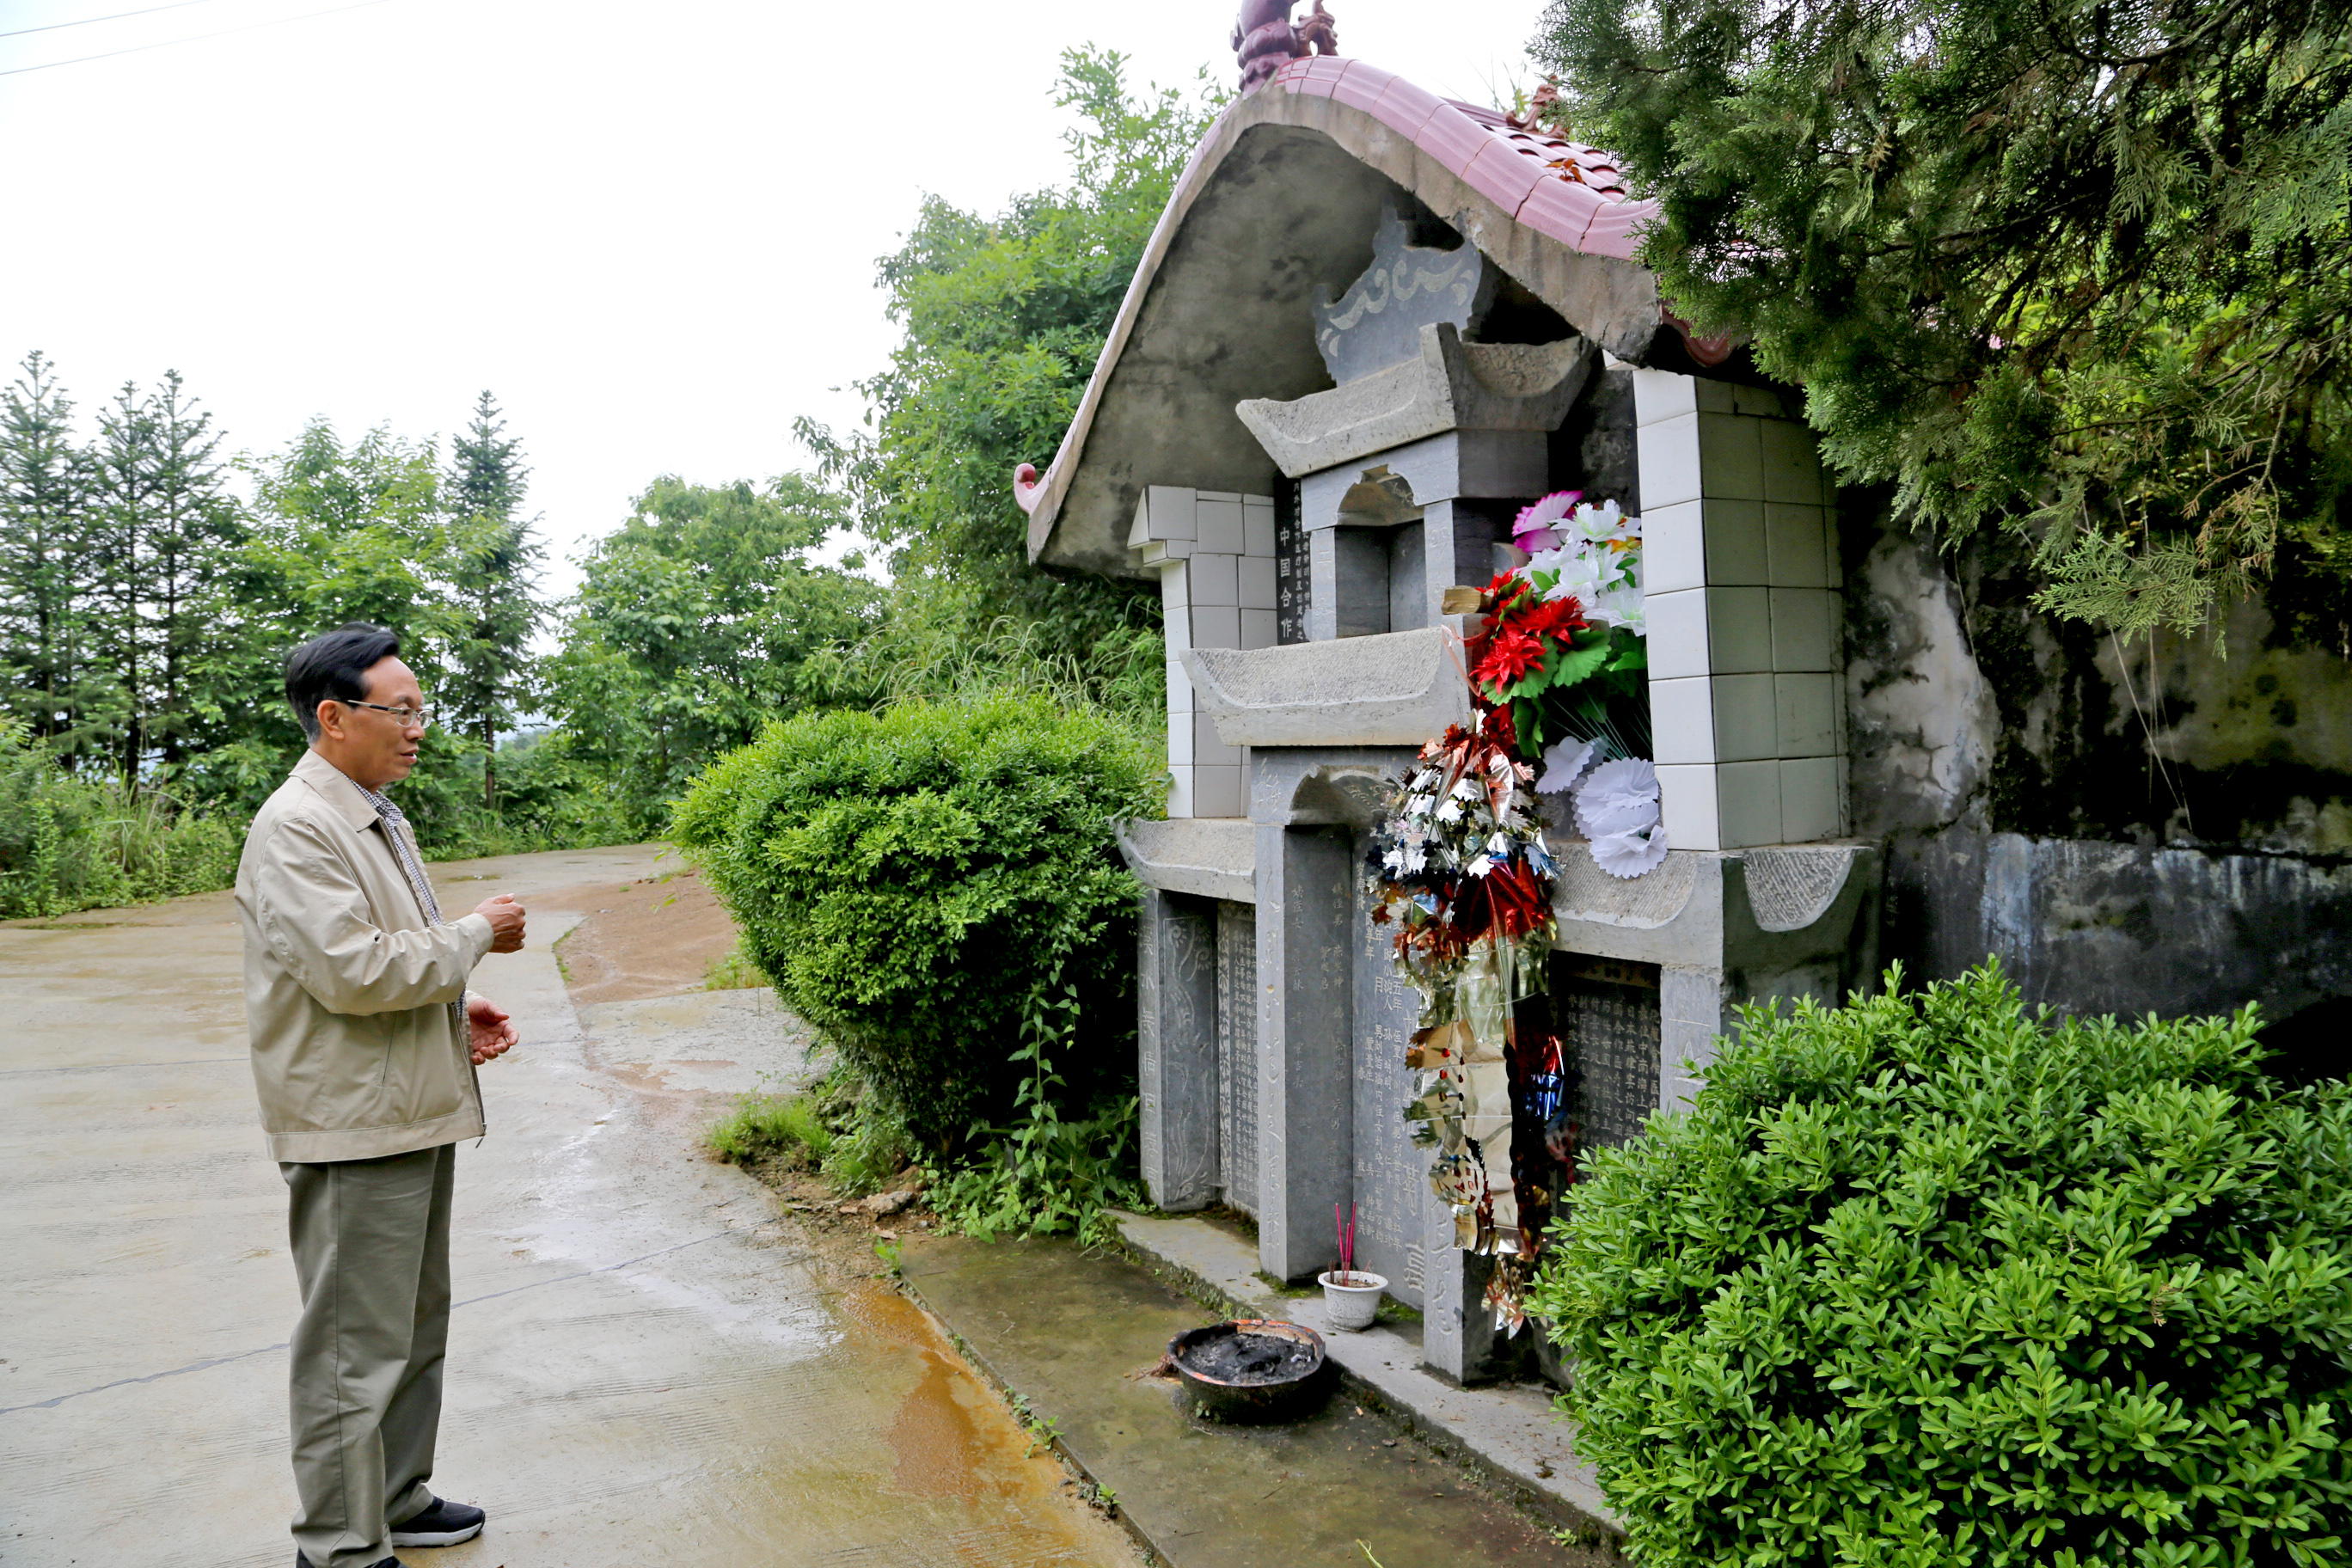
pixel 493 560
pixel 49 679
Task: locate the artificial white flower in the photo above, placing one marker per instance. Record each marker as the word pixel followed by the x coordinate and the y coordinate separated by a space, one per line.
pixel 1617 814
pixel 1628 855
pixel 1564 763
pixel 1611 784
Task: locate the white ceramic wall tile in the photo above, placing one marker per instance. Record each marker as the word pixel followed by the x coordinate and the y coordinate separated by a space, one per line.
pixel 1217 523
pixel 1686 801
pixel 1207 747
pixel 1257 583
pixel 1765 402
pixel 1735 548
pixel 1744 726
pixel 1660 395
pixel 1257 525
pixel 1666 456
pixel 1811 805
pixel 1738 631
pixel 1677 634
pixel 1217 792
pixel 1181 728
pixel 1806 715
pixel 1800 553
pixel 1180 791
pixel 1805 629
pixel 1214 580
pixel 1673 548
pixel 1138 533
pixel 1170 508
pixel 1261 628
pixel 1715 396
pixel 1175 606
pixel 1731 462
pixel 1747 803
pixel 1180 689
pixel 1682 720
pixel 1792 472
pixel 1216 626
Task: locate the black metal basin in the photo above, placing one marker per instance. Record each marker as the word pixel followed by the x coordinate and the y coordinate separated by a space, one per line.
pixel 1252 1369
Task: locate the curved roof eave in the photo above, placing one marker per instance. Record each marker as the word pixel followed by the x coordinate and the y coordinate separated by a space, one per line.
pixel 1550 213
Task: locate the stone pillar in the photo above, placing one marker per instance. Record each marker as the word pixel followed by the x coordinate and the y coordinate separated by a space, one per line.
pixel 1176 1028
pixel 1306 1045
pixel 1691 1006
pixel 1458 1327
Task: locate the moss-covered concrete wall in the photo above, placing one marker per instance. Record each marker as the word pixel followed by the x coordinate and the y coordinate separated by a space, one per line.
pixel 2165 825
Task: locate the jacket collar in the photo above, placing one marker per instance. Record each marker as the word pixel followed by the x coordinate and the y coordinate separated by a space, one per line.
pixel 335 787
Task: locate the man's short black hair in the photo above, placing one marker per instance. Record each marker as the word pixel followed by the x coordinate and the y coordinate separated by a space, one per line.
pixel 335 664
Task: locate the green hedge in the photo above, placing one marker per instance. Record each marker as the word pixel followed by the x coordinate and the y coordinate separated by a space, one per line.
pixel 1931 1280
pixel 915 881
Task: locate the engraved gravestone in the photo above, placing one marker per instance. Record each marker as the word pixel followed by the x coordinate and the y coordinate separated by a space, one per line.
pixel 1377 322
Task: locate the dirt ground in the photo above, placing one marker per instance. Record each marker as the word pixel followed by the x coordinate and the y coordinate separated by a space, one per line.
pixel 654 936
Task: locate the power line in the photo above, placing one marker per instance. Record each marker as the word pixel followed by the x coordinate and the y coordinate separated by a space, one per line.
pixel 86 21
pixel 191 38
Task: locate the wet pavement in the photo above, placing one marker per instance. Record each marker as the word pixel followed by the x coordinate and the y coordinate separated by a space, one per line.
pixel 645 1364
pixel 1075 1333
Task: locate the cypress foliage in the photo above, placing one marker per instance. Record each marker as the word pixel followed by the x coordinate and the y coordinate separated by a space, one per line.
pixel 493 561
pixel 2081 269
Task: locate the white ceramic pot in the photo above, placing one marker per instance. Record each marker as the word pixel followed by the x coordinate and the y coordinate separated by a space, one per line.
pixel 1351 1300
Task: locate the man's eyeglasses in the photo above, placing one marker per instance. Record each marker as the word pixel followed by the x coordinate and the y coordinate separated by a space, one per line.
pixel 403 717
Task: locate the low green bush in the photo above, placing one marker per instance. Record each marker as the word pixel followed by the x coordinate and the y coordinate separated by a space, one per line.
pixel 928 882
pixel 1928 1281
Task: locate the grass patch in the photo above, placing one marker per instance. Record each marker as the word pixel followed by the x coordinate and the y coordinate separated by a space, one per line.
pixel 734 972
pixel 767 1126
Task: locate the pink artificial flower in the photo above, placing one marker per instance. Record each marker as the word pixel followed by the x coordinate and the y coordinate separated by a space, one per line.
pixel 1532 530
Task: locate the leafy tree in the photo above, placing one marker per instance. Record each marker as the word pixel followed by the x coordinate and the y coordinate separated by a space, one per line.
pixel 49 570
pixel 2080 268
pixel 1002 320
pixel 492 558
pixel 692 624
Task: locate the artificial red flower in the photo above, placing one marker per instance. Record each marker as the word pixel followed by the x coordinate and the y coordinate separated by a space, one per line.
pixel 1555 619
pixel 1514 653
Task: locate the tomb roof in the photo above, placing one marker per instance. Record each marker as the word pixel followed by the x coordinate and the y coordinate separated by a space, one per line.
pixel 1280 199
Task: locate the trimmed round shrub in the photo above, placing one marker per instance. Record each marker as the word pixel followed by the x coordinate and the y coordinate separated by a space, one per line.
pixel 918 880
pixel 1931 1281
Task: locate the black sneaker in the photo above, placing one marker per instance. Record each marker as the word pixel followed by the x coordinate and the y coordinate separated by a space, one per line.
pixel 445 1523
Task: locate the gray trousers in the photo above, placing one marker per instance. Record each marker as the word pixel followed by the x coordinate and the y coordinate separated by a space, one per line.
pixel 371 1241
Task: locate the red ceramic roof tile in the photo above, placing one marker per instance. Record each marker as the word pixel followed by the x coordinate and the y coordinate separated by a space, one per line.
pixel 1520 171
pixel 1501 175
pixel 1562 209
pixel 1615 229
pixel 1450 139
pixel 1404 107
pixel 1362 86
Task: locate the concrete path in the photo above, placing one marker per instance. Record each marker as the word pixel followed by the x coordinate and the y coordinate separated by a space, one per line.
pixel 642 1369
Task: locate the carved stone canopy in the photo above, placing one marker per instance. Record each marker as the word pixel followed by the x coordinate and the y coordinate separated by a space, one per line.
pixel 1377 322
pixel 1449 384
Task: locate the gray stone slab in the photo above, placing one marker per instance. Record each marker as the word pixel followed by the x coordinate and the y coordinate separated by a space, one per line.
pixel 1212 857
pixel 1306 1125
pixel 1176 1049
pixel 1513 1433
pixel 1490 465
pixel 1397 689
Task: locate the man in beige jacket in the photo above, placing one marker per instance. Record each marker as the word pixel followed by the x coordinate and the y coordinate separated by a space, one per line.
pixel 364 1047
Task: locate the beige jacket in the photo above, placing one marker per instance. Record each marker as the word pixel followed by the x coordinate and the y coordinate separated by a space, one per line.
pixel 347 984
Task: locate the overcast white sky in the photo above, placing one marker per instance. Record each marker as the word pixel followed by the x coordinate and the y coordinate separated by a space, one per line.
pixel 649 229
